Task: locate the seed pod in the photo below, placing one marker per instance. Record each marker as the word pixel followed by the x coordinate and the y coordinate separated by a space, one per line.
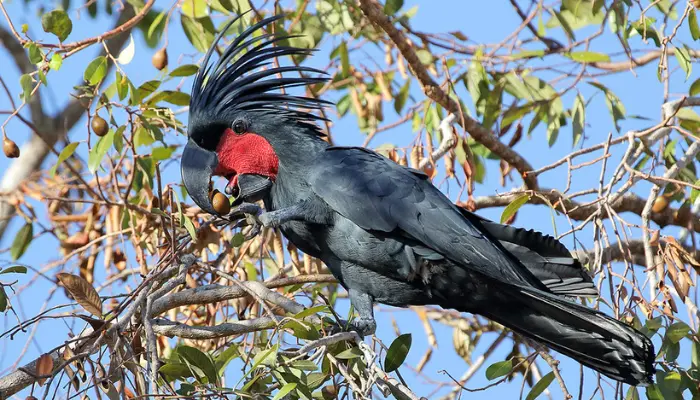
pixel 160 59
pixel 10 148
pixel 220 203
pixel 696 3
pixel 660 204
pixel 99 126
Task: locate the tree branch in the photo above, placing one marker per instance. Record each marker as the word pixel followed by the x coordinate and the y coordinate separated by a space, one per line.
pixel 374 12
pixel 628 202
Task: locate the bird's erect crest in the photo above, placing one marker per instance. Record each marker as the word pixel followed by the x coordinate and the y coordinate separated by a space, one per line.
pixel 245 77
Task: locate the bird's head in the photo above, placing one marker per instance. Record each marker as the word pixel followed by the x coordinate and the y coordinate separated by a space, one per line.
pixel 239 111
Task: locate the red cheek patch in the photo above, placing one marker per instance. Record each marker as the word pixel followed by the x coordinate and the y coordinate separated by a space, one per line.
pixel 246 153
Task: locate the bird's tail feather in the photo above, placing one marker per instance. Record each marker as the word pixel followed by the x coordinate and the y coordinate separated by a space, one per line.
pixel 588 336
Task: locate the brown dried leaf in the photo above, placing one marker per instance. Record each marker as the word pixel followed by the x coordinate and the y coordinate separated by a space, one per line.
pixel 82 292
pixel 44 366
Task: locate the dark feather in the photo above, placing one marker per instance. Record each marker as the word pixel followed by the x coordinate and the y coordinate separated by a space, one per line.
pixel 245 79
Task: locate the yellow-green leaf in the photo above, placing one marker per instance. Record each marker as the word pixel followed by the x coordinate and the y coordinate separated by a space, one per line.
pixel 185 70
pixel 98 152
pixel 195 8
pixel 56 62
pixel 588 56
pixel 513 207
pixel 285 390
pixel 15 269
pixel 63 156
pixel 27 84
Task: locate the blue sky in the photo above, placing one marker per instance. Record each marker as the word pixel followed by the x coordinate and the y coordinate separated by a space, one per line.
pixel 482 22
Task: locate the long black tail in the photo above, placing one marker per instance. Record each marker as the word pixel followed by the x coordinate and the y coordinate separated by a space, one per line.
pixel 588 336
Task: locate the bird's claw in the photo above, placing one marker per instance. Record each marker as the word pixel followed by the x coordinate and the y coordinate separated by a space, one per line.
pixel 362 326
pixel 248 214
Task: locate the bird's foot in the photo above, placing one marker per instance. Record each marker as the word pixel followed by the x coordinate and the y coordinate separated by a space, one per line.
pixel 248 214
pixel 362 326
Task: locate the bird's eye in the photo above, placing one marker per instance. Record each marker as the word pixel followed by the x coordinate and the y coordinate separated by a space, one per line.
pixel 240 126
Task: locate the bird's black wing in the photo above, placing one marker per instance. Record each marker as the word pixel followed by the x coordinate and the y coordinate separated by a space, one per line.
pixel 547 259
pixel 379 195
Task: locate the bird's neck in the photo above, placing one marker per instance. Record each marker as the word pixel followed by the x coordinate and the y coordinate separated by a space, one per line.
pixel 297 153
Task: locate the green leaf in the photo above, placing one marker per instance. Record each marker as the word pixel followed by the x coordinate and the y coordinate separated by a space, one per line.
pixel 162 153
pixel 58 23
pixel 22 239
pixel 695 88
pixel 632 394
pixel 527 54
pixel 267 357
pixel 35 54
pixel 15 269
pixel 154 25
pixel 195 8
pixel 578 118
pixel 3 299
pixel 63 156
pixel 310 311
pixel 197 358
pixel 693 25
pixel 237 240
pixel 392 6
pixel 677 331
pixel 349 354
pixel 225 357
pixel 499 369
pixel 615 106
pixel 184 70
pixel 565 25
pixel 342 52
pixel 540 386
pixel 172 97
pixel 198 31
pixel 42 77
pixel 175 370
pixel 683 57
pixel 96 70
pixel 189 226
pixel 98 152
pixel 397 352
pixel 56 62
pixel 402 96
pixel 122 85
pixel 653 393
pixel 513 207
pixel 672 381
pixel 647 31
pixel 588 56
pixel 27 84
pixel 285 390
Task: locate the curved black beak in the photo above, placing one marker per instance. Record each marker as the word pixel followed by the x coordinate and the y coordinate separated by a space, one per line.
pixel 197 167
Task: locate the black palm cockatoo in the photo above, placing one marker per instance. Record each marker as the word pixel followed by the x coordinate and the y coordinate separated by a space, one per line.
pixel 383 230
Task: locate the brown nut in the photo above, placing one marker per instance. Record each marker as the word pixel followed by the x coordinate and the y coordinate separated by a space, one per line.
pixel 160 59
pixel 99 126
pixel 660 204
pixel 10 148
pixel 220 203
